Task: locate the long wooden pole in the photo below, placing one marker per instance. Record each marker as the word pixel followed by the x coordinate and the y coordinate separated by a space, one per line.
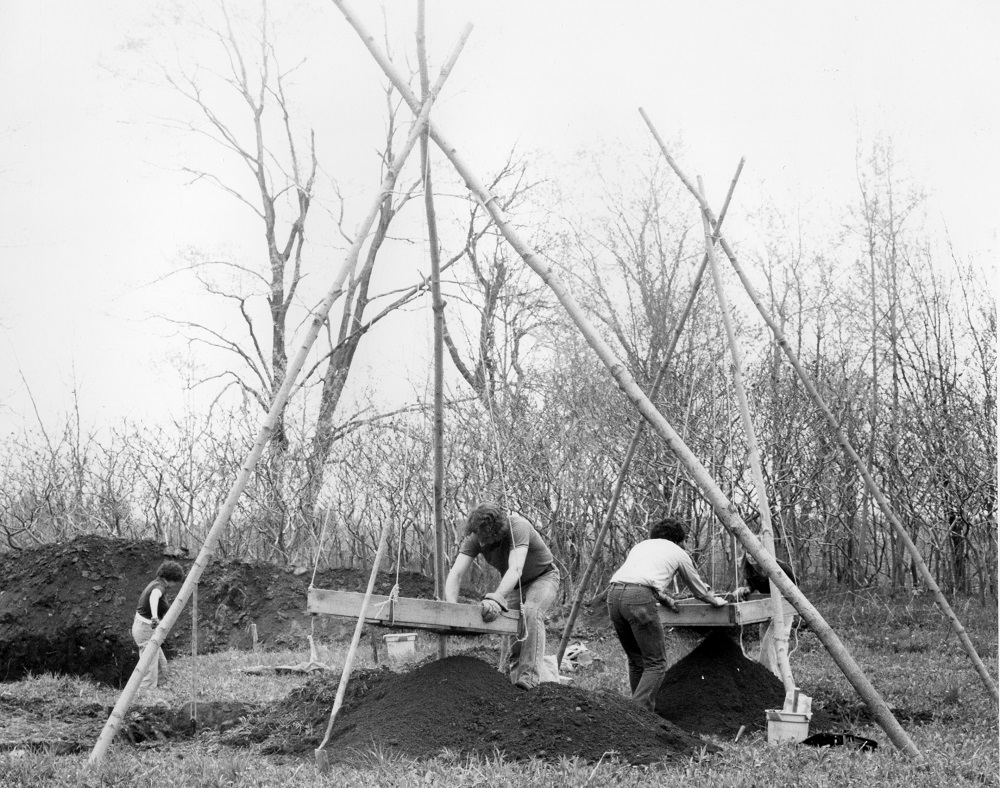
pixel 637 433
pixel 925 573
pixel 438 311
pixel 712 492
pixel 194 657
pixel 267 428
pixel 753 453
pixel 321 760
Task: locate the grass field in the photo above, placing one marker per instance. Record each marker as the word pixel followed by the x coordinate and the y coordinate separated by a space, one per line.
pixel 906 649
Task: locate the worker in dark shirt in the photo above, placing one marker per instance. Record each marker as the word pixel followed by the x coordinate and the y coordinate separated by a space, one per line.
pixel 755 579
pixel 153 605
pixel 529 581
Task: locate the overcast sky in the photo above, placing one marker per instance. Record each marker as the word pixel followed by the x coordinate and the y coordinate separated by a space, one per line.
pixel 94 209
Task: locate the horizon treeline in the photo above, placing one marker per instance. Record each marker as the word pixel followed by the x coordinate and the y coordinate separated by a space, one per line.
pixel 897 332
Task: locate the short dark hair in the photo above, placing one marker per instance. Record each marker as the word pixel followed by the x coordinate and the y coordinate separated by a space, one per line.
pixel 489 522
pixel 668 528
pixel 170 571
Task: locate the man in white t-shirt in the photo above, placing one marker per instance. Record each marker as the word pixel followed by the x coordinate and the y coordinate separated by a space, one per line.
pixel 637 588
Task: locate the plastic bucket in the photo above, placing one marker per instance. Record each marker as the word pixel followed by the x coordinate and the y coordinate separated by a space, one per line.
pixel 786 726
pixel 401 646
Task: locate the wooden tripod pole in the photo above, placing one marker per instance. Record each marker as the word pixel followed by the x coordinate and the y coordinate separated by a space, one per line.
pixel 321 759
pixel 637 433
pixel 925 573
pixel 438 310
pixel 319 318
pixel 699 474
pixel 753 452
pixel 194 656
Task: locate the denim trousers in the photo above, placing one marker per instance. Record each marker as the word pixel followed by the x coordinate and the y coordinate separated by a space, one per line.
pixel 635 615
pixel 142 631
pixel 528 651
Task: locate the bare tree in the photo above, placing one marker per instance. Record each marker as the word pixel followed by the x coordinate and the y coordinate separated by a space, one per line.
pixel 637 269
pixel 507 305
pixel 886 205
pixel 281 164
pixel 283 176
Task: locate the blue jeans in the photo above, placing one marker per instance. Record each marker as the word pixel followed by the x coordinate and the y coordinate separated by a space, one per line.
pixel 635 615
pixel 528 651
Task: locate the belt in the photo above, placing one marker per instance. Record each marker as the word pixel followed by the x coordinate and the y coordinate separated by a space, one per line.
pixel 548 568
pixel 626 585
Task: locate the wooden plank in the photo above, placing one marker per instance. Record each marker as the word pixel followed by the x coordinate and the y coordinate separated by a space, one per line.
pixel 758 609
pixel 407 613
pixel 694 613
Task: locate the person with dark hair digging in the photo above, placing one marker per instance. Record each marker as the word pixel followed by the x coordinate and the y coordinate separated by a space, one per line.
pixel 529 581
pixel 637 588
pixel 153 605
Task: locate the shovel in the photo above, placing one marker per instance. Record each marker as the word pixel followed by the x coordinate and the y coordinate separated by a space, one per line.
pixel 322 758
pixel 798 703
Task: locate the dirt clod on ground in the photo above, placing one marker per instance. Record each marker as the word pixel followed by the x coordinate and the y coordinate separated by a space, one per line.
pixel 464 705
pixel 156 723
pixel 67 608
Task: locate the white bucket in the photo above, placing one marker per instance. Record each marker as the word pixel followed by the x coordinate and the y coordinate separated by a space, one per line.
pixel 401 646
pixel 786 726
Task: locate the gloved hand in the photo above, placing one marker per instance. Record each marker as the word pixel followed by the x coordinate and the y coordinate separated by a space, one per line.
pixel 668 602
pixel 718 601
pixel 156 623
pixel 491 607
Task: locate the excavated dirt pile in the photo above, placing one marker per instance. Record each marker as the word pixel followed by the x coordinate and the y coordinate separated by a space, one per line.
pixel 464 705
pixel 716 690
pixel 67 608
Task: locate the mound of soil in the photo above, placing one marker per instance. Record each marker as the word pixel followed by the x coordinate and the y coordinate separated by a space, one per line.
pixel 67 608
pixel 716 690
pixel 464 705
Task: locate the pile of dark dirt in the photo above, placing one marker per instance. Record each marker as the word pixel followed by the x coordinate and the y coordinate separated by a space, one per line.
pixel 464 705
pixel 67 608
pixel 716 690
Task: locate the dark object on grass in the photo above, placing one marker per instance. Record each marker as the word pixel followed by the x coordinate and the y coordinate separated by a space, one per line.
pixel 841 740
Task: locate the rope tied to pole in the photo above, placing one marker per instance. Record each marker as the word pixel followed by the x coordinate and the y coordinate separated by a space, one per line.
pixel 390 603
